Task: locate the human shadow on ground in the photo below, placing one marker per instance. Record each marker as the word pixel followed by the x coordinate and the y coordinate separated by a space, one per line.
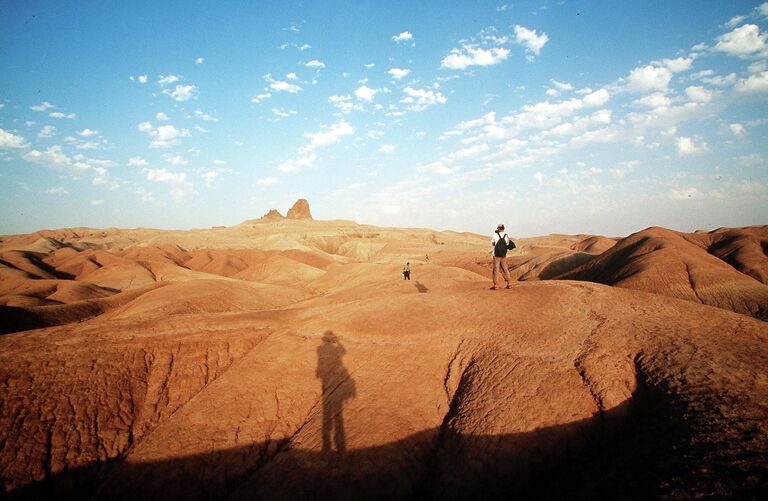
pixel 641 449
pixel 421 287
pixel 337 386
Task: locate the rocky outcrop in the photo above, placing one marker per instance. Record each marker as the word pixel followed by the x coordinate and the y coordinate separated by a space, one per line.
pixel 300 210
pixel 272 215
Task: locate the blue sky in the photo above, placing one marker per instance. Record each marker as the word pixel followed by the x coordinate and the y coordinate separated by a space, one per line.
pixel 552 117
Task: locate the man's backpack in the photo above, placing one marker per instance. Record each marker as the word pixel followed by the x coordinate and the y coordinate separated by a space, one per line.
pixel 511 245
pixel 500 249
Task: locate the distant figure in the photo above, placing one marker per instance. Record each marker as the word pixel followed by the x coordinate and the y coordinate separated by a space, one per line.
pixel 407 271
pixel 427 256
pixel 500 241
pixel 337 386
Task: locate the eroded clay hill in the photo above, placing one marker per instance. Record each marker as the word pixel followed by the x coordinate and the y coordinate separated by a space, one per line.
pixel 288 359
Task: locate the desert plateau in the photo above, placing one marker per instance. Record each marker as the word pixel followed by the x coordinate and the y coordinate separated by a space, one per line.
pixel 286 358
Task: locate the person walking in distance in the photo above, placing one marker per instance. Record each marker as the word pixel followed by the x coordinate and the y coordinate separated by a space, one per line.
pixel 500 241
pixel 407 271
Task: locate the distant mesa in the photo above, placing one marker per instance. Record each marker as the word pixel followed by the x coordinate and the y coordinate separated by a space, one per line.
pixel 300 210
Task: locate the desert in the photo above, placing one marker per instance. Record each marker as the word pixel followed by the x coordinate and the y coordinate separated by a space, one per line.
pixel 286 358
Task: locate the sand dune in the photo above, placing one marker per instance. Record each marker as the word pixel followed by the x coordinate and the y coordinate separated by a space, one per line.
pixel 286 358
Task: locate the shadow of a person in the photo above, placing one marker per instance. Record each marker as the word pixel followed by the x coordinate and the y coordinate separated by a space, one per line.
pixel 337 386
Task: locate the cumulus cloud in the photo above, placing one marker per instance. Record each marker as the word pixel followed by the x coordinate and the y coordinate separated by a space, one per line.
pixel 200 60
pixel 528 38
pixel 743 41
pixel 737 129
pixel 261 97
pixel 180 187
pixel 398 73
pixel 648 78
pixel 655 100
pixel 405 36
pixel 183 92
pixel 677 65
pixel 46 132
pixel 205 116
pixel 687 147
pixel 754 84
pixel 387 148
pixel 365 93
pixel 88 133
pixel 315 64
pixel 344 103
pixel 420 99
pixel 307 154
pixel 45 105
pixel 164 136
pixel 168 80
pixel 161 117
pixel 136 162
pixel 698 94
pixel 59 115
pixel 281 86
pixel 10 141
pixel 459 59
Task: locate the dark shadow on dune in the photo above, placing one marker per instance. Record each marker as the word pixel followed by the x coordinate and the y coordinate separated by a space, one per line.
pixel 337 386
pixel 642 449
pixel 421 287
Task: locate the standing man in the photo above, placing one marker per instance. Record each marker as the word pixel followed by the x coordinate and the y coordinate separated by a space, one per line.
pixel 407 271
pixel 499 241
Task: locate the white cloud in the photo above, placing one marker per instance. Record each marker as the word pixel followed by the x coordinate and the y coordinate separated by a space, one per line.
pixel 315 64
pixel 200 60
pixel 398 73
pixel 168 80
pixel 137 162
pixel 528 38
pixel 58 190
pixel 281 86
pixel 306 155
pixel 45 105
pixel 260 97
pixel 180 187
pixel 161 117
pixel 648 78
pixel 387 148
pixel 687 147
pixel 344 103
pixel 183 92
pixel 59 115
pixel 420 99
pixel 284 113
pixel 460 59
pixel 267 181
pixel 292 76
pixel 737 129
pixel 403 37
pixel 369 65
pixel 205 116
pixel 561 86
pixel 142 79
pixel 365 93
pixel 655 100
pixel 175 159
pixel 755 84
pixel 164 136
pixel 304 47
pixel 46 132
pixel 97 202
pixel 698 94
pixel 597 98
pixel 735 21
pixel 742 41
pixel 678 65
pixel 88 133
pixel 435 168
pixel 9 141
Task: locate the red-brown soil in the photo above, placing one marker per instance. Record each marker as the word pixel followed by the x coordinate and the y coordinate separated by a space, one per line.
pixel 288 359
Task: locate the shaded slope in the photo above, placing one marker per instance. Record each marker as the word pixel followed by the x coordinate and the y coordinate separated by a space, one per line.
pixel 669 263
